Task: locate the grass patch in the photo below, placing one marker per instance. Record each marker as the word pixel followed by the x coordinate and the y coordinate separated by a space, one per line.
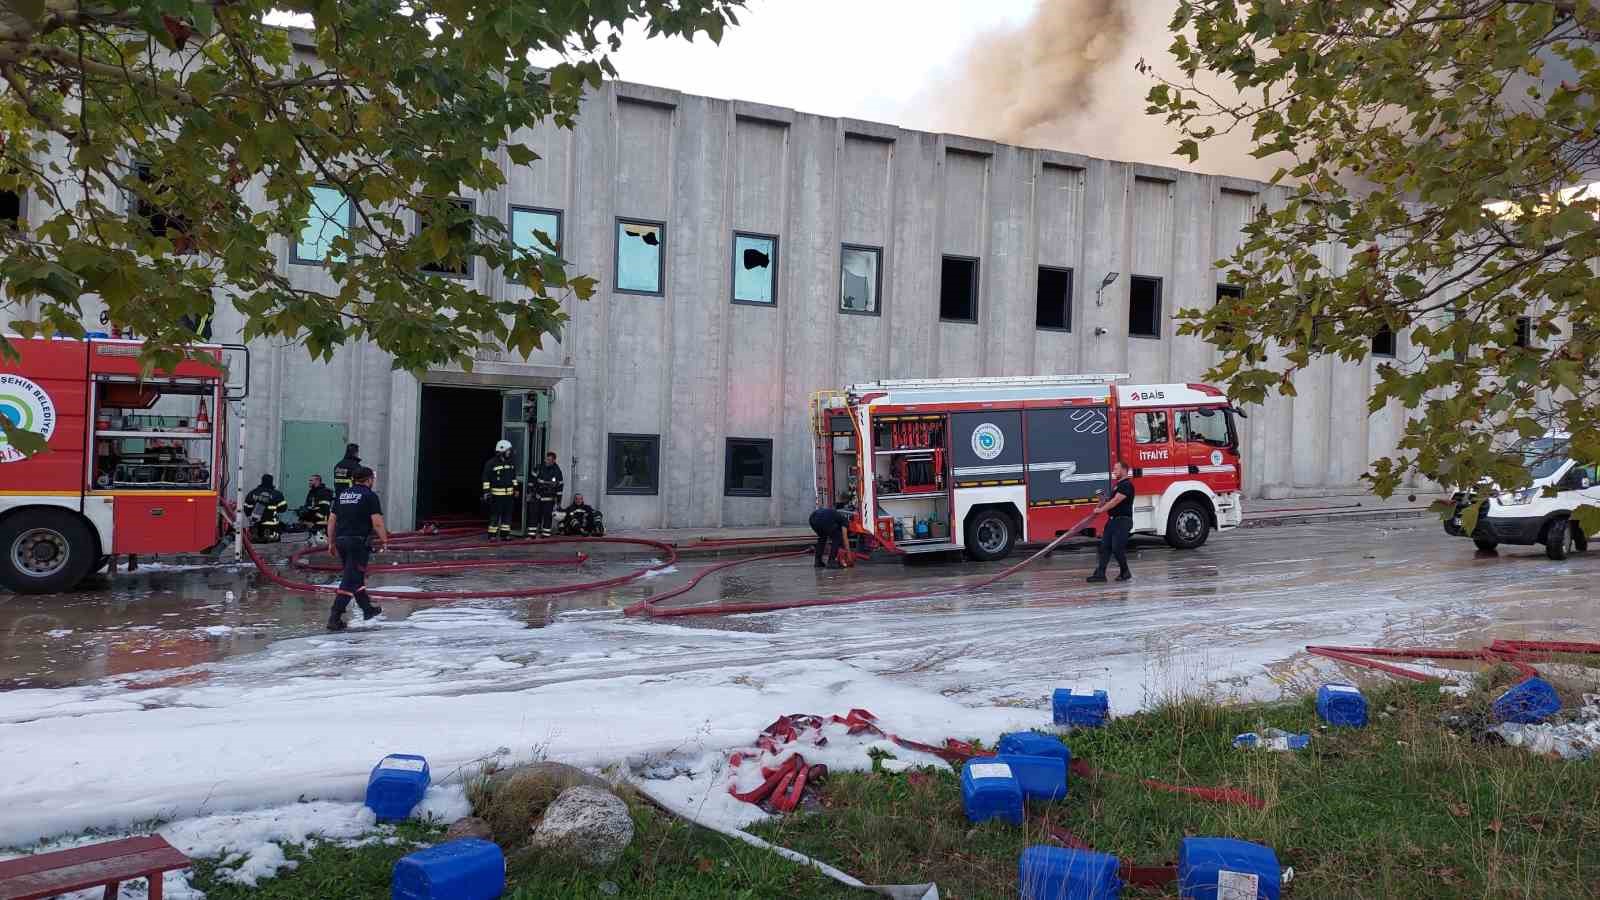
pixel 1404 808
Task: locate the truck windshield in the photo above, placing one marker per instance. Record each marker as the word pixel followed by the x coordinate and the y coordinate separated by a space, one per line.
pixel 1544 456
pixel 1209 426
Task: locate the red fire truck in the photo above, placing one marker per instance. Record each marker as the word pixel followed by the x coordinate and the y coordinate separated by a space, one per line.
pixel 136 461
pixel 982 464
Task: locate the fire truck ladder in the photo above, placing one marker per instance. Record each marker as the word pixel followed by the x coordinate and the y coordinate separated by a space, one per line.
pixel 1006 381
pixel 822 441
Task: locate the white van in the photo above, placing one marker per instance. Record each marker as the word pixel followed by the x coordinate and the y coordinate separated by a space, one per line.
pixel 1528 517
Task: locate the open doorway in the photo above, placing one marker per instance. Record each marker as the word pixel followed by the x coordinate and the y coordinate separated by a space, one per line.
pixel 458 432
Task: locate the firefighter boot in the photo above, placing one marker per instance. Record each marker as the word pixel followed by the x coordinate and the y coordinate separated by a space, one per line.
pixel 369 610
pixel 336 623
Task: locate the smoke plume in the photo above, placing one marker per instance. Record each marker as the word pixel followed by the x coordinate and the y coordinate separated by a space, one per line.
pixel 1065 80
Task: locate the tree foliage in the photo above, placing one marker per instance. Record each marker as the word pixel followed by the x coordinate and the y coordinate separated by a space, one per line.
pixel 1438 142
pixel 137 129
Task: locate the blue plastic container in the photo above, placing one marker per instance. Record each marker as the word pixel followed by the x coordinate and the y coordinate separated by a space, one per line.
pixel 1057 873
pixel 990 790
pixel 1226 869
pixel 1531 701
pixel 1082 710
pixel 1342 704
pixel 468 869
pixel 1032 743
pixel 396 786
pixel 1041 777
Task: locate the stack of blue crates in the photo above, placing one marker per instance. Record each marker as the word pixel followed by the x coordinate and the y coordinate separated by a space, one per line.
pixel 1534 700
pixel 1342 704
pixel 1057 873
pixel 1080 710
pixel 396 786
pixel 990 790
pixel 468 869
pixel 1227 869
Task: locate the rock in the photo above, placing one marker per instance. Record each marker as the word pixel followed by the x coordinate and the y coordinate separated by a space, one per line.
pixel 471 826
pixel 560 775
pixel 586 825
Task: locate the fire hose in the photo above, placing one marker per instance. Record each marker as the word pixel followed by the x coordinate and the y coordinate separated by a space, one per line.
pixel 1520 654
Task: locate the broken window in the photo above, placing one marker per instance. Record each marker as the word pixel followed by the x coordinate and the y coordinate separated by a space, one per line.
pixel 327 219
pixel 150 207
pixel 748 472
pixel 1144 307
pixel 1053 299
pixel 859 279
pixel 639 259
pixel 1524 336
pixel 1228 292
pixel 632 463
pixel 10 208
pixel 1150 428
pixel 1383 342
pixel 460 232
pixel 536 230
pixel 958 289
pixel 755 268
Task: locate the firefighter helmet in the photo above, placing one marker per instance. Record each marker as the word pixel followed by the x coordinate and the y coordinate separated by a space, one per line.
pixel 502 446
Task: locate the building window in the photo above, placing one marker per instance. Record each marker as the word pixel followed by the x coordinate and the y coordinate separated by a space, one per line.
pixel 639 258
pixel 860 278
pixel 327 219
pixel 536 231
pixel 755 268
pixel 1383 342
pixel 1228 292
pixel 150 209
pixel 1053 300
pixel 10 209
pixel 1150 428
pixel 958 289
pixel 1144 307
pixel 460 233
pixel 1524 336
pixel 632 463
pixel 748 472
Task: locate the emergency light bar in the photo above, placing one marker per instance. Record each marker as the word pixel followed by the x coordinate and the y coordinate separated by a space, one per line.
pixel 996 382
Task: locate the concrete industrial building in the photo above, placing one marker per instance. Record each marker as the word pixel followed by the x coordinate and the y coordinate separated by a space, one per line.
pixel 749 256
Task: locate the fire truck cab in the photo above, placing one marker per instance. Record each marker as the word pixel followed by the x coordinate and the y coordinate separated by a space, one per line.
pixel 983 464
pixel 135 463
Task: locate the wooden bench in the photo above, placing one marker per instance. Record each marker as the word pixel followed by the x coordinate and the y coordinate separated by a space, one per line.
pixel 97 865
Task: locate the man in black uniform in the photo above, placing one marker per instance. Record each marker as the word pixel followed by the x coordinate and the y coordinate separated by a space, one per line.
pixel 548 484
pixel 319 502
pixel 500 485
pixel 829 523
pixel 265 502
pixel 357 515
pixel 582 520
pixel 345 469
pixel 1114 539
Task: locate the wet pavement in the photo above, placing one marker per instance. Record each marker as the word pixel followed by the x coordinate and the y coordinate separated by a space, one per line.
pixel 1268 591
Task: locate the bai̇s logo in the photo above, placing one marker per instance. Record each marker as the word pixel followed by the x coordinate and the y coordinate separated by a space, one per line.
pixel 27 407
pixel 988 441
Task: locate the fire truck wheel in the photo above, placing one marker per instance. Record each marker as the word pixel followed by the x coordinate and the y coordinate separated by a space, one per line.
pixel 1558 542
pixel 43 551
pixel 1188 526
pixel 990 535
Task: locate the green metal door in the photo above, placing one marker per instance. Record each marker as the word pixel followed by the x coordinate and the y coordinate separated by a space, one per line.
pixel 308 448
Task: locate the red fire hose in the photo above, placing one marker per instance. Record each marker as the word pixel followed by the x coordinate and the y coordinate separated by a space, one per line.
pixel 1516 653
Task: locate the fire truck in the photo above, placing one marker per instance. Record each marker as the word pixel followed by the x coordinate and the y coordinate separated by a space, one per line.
pixel 135 464
pixel 983 464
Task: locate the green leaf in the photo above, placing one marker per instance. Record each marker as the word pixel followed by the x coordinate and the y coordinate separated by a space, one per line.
pixel 28 443
pixel 1469 516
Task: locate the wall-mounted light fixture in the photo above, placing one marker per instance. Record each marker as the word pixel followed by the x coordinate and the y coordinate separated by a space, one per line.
pixel 1099 298
pixel 1100 331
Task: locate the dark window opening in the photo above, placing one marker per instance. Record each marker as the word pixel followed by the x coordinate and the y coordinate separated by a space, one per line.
pixel 460 234
pixel 748 472
pixel 958 289
pixel 10 208
pixel 1144 307
pixel 1524 331
pixel 1053 299
pixel 633 463
pixel 1228 292
pixel 1383 342
pixel 151 210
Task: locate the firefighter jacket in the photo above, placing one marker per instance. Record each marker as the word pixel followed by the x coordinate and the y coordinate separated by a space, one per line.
pixel 344 472
pixel 500 476
pixel 320 500
pixel 271 499
pixel 548 482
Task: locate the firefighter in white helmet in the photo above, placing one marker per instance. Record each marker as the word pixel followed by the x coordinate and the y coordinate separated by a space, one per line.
pixel 500 486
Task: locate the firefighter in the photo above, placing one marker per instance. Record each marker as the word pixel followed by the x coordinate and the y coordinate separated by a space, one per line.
pixel 357 516
pixel 829 523
pixel 1114 537
pixel 582 520
pixel 344 470
pixel 500 486
pixel 265 502
pixel 319 502
pixel 548 484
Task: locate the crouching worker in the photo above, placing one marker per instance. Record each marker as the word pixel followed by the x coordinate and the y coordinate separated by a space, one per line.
pixel 265 502
pixel 829 523
pixel 357 516
pixel 319 502
pixel 582 520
